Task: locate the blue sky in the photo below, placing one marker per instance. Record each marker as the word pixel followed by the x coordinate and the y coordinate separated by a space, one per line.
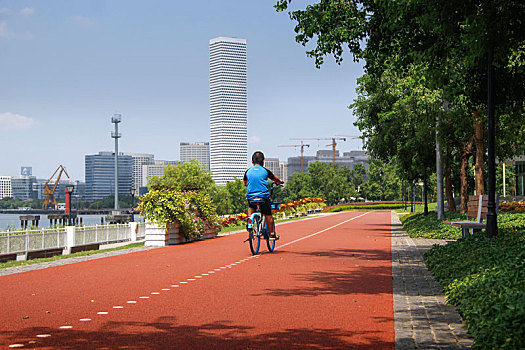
pixel 67 66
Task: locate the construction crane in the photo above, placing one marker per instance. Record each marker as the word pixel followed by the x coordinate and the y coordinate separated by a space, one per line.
pixel 302 145
pixel 333 144
pixel 355 137
pixel 49 192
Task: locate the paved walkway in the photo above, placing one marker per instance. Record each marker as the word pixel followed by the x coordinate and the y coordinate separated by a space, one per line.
pixel 423 320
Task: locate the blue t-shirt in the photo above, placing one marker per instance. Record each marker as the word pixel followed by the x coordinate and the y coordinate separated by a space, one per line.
pixel 257 182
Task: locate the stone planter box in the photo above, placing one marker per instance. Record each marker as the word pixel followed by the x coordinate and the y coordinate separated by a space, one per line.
pixel 160 236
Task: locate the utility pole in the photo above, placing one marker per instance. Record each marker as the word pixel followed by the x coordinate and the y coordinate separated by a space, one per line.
pixel 116 135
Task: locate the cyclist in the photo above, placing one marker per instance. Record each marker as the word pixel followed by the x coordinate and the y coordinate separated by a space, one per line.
pixel 256 182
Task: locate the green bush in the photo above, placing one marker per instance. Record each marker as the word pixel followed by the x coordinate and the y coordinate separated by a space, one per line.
pixel 485 279
pixel 421 226
pixel 191 209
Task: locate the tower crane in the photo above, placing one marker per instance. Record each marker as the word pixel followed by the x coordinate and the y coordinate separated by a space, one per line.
pixel 49 192
pixel 356 137
pixel 333 144
pixel 302 145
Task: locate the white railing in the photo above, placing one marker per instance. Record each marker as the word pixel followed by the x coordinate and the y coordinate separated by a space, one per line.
pixel 20 242
pixel 23 241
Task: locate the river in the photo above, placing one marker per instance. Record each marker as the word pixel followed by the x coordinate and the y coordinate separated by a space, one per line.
pixel 13 221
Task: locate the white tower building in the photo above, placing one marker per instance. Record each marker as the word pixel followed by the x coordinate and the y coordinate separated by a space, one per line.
pixel 228 109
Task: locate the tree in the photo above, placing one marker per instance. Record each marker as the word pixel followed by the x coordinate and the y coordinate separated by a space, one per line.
pixel 185 176
pixel 236 197
pixel 382 181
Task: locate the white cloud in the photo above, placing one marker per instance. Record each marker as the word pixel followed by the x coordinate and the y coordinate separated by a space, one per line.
pixel 4 10
pixel 11 121
pixel 27 12
pixel 8 33
pixel 255 139
pixel 83 20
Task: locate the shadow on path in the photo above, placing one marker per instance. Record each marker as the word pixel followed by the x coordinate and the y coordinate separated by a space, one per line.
pixel 165 333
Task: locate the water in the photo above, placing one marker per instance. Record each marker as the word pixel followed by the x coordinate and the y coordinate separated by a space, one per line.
pixel 13 220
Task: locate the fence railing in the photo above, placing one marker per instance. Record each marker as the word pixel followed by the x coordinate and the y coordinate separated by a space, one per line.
pixel 20 242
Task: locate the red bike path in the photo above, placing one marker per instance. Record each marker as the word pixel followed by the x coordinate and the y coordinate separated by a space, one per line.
pixel 328 285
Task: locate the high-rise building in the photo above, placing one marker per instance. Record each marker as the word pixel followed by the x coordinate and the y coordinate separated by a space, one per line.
pixel 199 151
pixel 100 175
pixel 272 164
pixel 228 109
pixel 139 159
pixel 283 166
pixel 6 191
pixel 22 186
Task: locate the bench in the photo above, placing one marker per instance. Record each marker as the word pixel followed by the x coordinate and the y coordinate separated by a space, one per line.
pixel 477 208
pixel 43 253
pixel 85 247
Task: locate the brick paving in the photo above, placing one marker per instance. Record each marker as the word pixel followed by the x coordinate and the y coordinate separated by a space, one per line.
pixel 422 318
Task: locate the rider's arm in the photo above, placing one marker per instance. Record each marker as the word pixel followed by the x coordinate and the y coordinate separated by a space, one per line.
pixel 277 180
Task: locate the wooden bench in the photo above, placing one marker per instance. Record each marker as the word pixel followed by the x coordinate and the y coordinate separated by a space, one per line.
pixel 85 247
pixel 477 208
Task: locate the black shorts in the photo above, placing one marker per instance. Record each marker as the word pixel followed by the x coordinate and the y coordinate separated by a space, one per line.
pixel 265 206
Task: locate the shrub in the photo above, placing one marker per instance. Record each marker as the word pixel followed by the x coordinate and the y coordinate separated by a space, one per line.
pixel 366 207
pixel 193 210
pixel 517 207
pixel 485 279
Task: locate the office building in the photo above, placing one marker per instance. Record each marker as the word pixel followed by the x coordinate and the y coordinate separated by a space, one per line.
pixel 272 164
pixel 283 166
pixel 6 191
pixel 100 175
pixel 139 159
pixel 349 159
pixel 22 187
pixel 154 169
pixel 228 109
pixel 199 151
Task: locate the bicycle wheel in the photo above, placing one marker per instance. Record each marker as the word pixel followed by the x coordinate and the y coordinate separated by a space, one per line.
pixel 270 243
pixel 255 235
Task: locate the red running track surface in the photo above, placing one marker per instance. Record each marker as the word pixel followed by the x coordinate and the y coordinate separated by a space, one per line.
pixel 328 285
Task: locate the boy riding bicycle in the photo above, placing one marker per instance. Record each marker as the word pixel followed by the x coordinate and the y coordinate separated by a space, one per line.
pixel 256 182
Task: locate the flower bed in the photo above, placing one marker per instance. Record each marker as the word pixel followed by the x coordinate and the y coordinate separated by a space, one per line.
pixel 517 207
pixel 298 207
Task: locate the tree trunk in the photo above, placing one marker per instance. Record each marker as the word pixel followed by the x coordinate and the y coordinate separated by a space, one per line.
pixel 448 188
pixel 465 155
pixel 480 153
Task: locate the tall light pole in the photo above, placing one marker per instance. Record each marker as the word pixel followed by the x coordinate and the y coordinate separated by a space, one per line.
pixel 116 135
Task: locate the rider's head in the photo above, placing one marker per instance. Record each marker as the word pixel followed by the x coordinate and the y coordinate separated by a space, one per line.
pixel 258 158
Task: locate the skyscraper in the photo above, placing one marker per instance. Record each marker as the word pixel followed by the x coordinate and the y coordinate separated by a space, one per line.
pixel 199 151
pixel 228 109
pixel 100 172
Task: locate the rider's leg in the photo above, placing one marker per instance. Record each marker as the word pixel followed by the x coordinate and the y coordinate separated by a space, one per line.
pixel 270 223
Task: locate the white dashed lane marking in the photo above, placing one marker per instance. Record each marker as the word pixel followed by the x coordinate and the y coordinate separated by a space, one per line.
pixel 43 335
pixel 85 320
pixel 65 327
pixel 102 313
pixel 16 345
pixel 131 301
pixel 118 307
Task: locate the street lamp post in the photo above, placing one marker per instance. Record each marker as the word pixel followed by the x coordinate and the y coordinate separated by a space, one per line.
pixel 132 192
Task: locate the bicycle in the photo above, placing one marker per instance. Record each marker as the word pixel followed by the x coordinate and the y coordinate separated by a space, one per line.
pixel 258 228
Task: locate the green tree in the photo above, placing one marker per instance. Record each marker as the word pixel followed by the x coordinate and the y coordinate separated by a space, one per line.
pixel 382 182
pixel 185 176
pixel 236 197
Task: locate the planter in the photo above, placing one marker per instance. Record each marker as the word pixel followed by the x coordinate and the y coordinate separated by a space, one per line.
pixel 160 236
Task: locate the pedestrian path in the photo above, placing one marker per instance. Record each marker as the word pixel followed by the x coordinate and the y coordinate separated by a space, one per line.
pixel 422 318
